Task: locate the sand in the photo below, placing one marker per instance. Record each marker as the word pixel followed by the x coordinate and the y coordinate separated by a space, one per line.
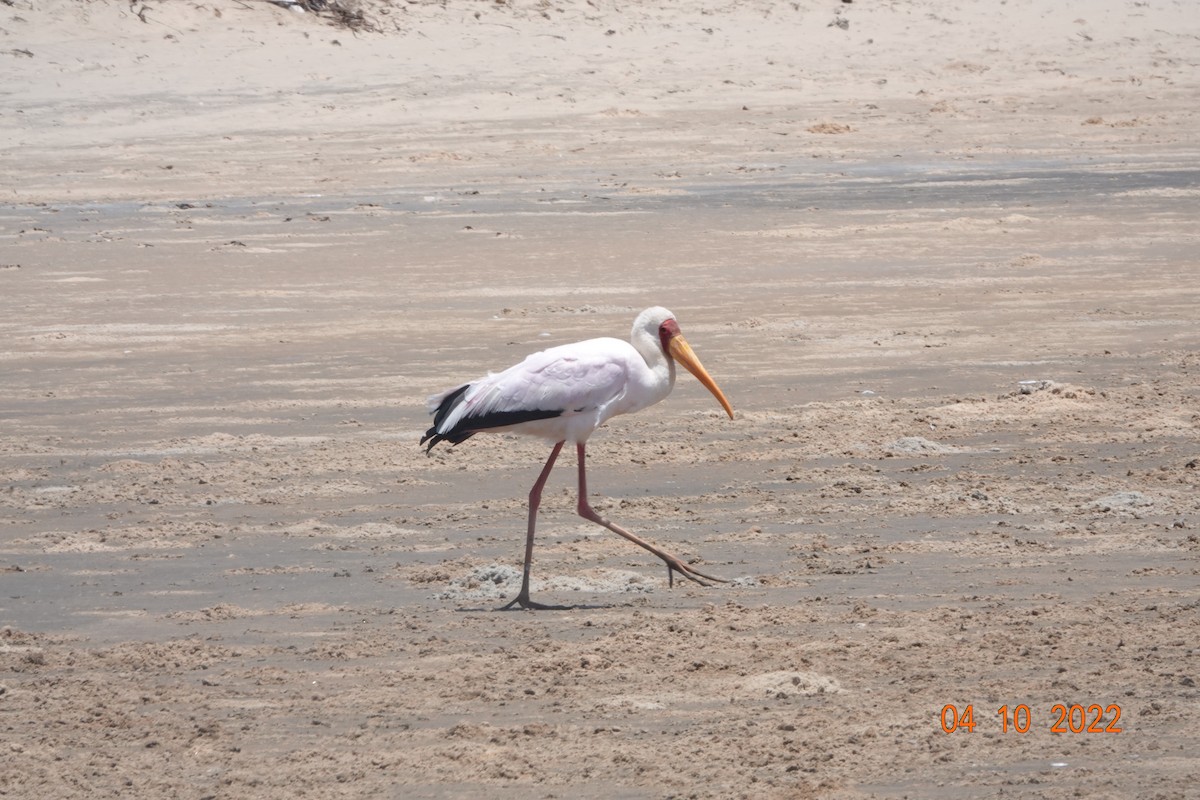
pixel 940 256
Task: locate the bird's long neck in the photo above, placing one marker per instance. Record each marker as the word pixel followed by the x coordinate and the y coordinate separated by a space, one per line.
pixel 659 362
pixel 666 366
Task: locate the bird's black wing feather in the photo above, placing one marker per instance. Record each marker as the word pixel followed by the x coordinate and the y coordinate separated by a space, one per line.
pixel 469 425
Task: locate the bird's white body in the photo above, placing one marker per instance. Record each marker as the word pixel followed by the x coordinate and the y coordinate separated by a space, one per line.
pixel 588 382
pixel 577 386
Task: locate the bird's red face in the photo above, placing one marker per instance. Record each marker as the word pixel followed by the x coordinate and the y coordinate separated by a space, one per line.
pixel 668 331
pixel 677 347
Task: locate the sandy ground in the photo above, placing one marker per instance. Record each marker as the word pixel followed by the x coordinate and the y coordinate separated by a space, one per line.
pixel 940 256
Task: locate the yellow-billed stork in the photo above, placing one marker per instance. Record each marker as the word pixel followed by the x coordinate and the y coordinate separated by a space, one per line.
pixel 562 395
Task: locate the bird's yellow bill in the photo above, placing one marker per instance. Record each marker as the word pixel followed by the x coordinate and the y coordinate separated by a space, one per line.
pixel 682 352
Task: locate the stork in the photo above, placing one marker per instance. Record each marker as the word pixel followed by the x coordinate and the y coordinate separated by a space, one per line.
pixel 563 394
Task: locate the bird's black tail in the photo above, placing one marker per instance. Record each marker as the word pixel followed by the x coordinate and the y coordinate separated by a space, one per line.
pixel 449 402
pixel 433 437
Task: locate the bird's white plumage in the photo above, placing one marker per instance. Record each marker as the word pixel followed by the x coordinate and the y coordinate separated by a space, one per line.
pixel 587 382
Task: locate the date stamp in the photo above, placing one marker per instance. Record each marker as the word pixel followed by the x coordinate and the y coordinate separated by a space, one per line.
pixel 1065 718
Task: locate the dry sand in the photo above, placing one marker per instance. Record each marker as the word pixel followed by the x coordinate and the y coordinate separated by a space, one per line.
pixel 940 256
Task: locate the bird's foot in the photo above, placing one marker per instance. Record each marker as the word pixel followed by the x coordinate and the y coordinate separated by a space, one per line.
pixel 694 575
pixel 523 601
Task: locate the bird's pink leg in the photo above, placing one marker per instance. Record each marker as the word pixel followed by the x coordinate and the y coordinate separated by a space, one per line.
pixel 535 500
pixel 673 563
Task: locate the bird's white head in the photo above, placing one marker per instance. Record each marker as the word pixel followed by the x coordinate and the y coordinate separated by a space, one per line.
pixel 657 324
